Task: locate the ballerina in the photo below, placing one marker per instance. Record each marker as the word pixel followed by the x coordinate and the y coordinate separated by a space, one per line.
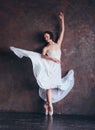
pixel 47 69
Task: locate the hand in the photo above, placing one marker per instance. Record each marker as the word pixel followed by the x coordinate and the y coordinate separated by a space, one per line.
pixel 61 16
pixel 56 60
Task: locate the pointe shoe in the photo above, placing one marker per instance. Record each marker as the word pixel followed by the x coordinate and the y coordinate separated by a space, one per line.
pixel 46 109
pixel 50 110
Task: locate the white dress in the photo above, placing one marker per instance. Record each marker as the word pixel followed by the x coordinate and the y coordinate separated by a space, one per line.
pixel 48 73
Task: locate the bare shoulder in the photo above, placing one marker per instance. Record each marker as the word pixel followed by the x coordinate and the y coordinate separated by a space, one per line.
pixel 45 50
pixel 57 45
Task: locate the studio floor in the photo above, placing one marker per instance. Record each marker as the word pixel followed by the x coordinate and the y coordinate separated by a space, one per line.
pixel 31 121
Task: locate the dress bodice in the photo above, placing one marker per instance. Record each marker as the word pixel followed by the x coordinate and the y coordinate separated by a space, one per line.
pixel 54 53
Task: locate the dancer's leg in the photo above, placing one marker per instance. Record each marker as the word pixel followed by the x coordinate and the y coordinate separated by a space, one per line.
pixel 48 96
pixel 49 102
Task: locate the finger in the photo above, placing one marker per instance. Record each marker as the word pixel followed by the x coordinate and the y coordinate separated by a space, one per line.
pixel 58 61
pixel 61 16
pixel 61 13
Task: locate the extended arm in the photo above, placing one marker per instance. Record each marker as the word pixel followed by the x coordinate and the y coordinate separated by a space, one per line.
pixel 61 16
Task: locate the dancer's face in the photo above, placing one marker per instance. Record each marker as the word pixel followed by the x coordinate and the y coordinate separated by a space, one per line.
pixel 47 37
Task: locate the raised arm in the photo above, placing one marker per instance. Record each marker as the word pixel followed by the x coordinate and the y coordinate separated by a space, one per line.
pixel 59 41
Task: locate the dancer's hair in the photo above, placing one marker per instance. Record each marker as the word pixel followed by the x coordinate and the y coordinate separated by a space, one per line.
pixel 50 33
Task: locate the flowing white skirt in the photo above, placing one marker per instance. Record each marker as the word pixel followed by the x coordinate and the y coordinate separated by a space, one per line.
pixel 48 75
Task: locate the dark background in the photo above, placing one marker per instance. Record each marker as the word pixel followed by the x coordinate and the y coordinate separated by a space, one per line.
pixel 22 23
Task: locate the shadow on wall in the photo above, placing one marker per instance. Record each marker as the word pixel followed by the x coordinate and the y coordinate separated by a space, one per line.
pixel 18 87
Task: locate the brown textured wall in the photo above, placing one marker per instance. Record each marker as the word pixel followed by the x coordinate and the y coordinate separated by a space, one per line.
pixel 21 24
